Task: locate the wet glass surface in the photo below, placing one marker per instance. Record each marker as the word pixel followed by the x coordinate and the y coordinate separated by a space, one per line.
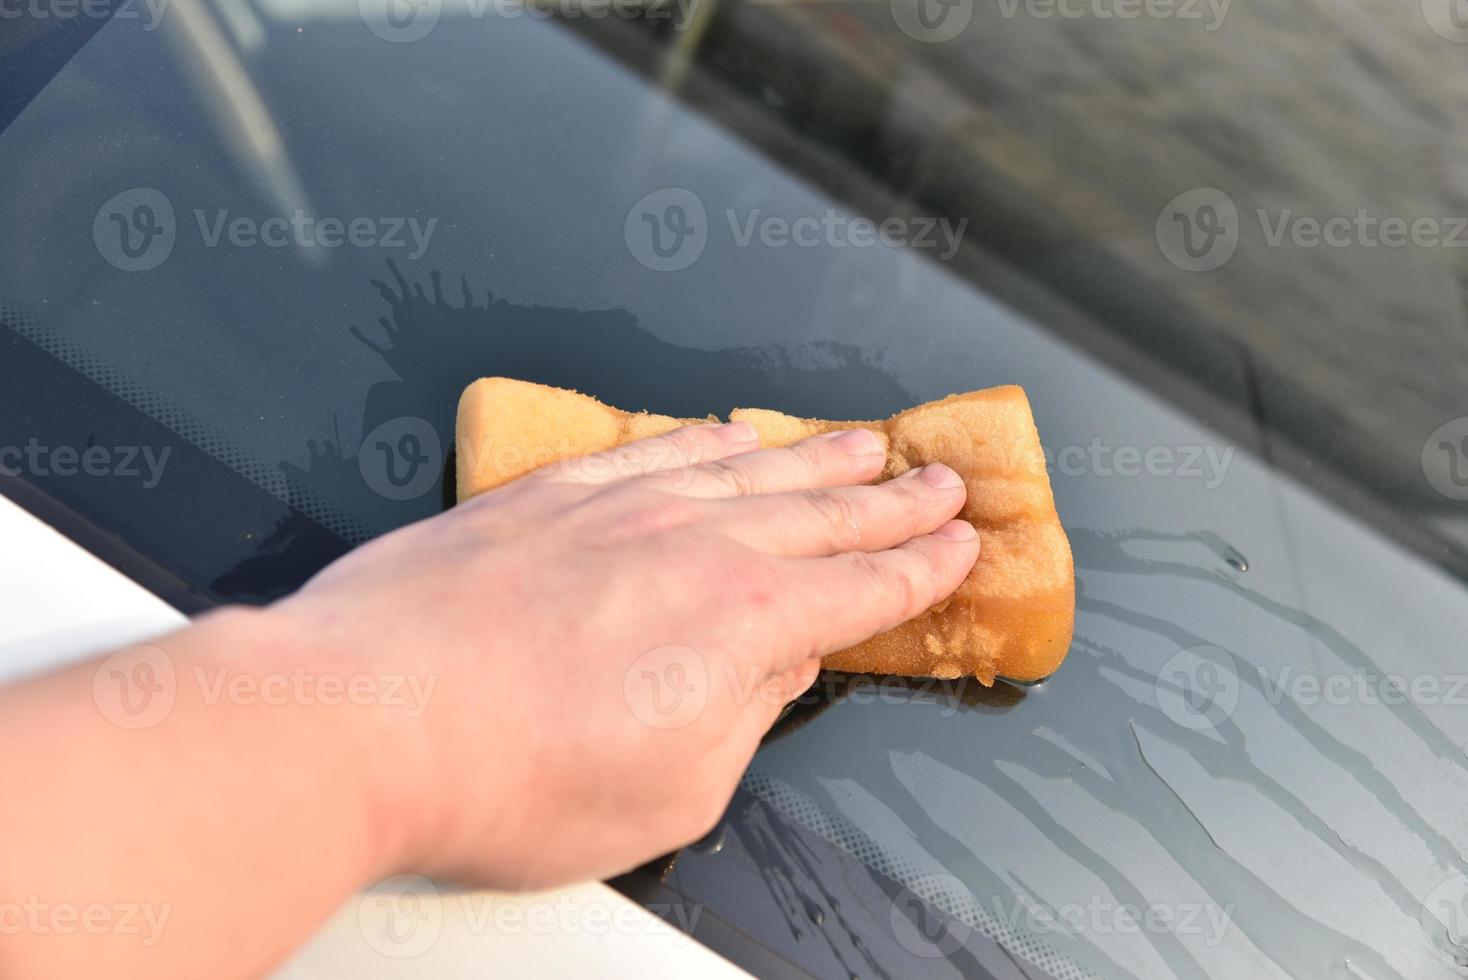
pixel 1251 763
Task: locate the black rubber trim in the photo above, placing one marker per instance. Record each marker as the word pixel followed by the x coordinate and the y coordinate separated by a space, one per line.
pixel 643 887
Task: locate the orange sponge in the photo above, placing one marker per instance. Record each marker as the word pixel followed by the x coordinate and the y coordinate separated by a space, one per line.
pixel 1012 617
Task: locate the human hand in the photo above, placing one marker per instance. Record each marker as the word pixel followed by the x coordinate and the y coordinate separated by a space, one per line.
pixel 611 636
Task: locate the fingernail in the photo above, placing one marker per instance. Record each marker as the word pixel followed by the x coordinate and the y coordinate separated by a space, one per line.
pixel 858 442
pixel 735 432
pixel 956 531
pixel 940 476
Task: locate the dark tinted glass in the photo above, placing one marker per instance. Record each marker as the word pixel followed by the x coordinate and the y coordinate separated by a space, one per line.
pixel 252 251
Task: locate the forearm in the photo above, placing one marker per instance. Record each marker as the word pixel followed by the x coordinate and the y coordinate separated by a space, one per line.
pixel 142 838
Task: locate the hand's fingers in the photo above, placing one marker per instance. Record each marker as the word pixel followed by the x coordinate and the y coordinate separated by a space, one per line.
pixel 851 597
pixel 812 523
pixel 832 459
pixel 677 450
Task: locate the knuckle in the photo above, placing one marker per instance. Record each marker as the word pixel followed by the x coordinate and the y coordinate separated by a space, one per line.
pixel 677 449
pixel 735 478
pixel 868 571
pixel 921 569
pixel 809 454
pixel 839 515
pixel 908 593
pixel 898 581
pixel 907 503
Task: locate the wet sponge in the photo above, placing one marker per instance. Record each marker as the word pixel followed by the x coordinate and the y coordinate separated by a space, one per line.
pixel 1012 617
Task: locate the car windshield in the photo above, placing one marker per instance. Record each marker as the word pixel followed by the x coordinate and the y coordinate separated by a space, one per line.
pixel 253 250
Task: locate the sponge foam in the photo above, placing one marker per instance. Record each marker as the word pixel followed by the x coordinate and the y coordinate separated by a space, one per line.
pixel 1013 615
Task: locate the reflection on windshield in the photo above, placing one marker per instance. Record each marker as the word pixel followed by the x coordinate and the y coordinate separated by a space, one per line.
pixel 1264 828
pixel 1250 765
